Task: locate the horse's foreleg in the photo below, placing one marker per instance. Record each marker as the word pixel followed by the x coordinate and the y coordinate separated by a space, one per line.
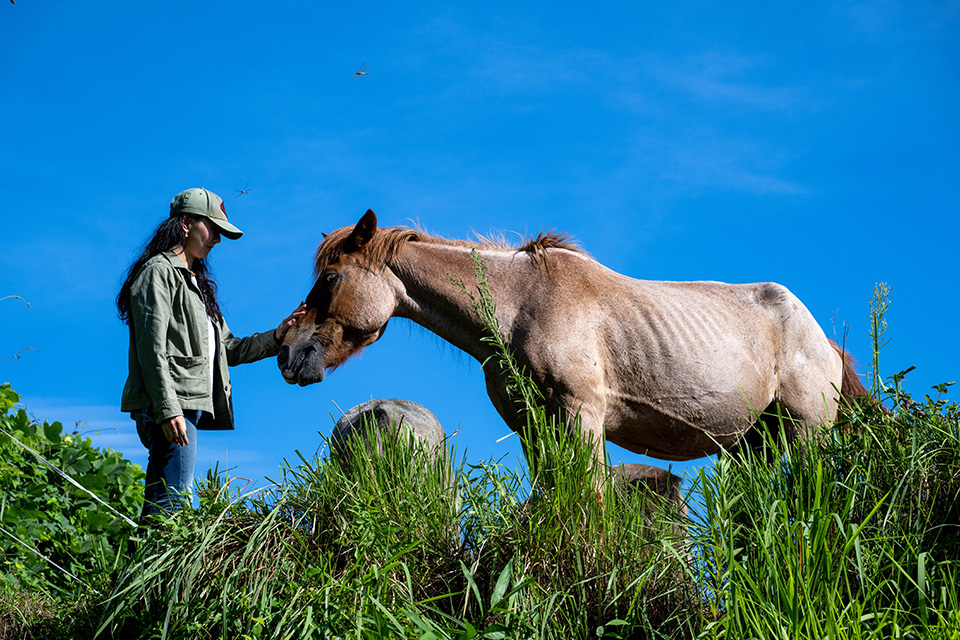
pixel 588 418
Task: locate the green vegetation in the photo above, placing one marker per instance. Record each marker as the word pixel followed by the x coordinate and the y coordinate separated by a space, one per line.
pixel 857 538
pixel 856 535
pixel 59 545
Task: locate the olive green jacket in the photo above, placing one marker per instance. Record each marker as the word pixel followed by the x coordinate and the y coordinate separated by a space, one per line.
pixel 169 368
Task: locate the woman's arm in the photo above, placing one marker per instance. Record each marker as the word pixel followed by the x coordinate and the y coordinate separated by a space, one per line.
pixel 259 345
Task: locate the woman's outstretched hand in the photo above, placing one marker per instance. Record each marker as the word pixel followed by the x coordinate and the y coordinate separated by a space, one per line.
pixel 289 321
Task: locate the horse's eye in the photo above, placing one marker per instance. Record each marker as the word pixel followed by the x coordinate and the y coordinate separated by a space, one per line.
pixel 331 277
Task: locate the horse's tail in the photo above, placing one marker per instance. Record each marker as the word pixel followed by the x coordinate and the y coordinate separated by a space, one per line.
pixel 852 388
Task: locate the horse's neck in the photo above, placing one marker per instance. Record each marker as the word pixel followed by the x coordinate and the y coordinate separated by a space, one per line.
pixel 432 300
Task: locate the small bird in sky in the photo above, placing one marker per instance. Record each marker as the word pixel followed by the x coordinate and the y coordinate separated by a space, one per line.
pixel 363 69
pixel 243 191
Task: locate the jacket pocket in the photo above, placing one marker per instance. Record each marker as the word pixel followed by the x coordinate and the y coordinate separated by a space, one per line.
pixel 190 374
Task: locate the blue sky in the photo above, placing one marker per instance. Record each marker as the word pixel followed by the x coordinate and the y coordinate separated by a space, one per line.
pixel 811 144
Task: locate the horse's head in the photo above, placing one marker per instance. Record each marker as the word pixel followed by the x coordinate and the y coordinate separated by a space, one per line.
pixel 347 309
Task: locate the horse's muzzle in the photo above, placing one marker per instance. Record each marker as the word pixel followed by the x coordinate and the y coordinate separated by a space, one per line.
pixel 302 366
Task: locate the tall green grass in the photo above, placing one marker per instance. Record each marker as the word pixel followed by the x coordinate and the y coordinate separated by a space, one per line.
pixel 854 539
pixel 386 550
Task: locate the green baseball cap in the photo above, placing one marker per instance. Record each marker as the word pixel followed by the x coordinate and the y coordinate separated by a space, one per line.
pixel 201 202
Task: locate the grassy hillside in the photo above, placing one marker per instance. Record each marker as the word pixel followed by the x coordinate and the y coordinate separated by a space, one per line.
pixel 856 535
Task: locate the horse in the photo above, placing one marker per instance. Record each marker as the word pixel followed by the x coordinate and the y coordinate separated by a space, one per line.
pixel 673 370
pixel 375 419
pixel 655 481
pixel 391 419
pixel 662 489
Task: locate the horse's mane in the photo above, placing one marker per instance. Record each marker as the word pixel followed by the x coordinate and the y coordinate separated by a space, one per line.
pixel 387 241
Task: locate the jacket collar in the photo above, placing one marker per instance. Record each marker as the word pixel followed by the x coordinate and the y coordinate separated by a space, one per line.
pixel 174 260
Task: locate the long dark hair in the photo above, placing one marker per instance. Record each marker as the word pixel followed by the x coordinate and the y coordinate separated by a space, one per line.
pixel 169 235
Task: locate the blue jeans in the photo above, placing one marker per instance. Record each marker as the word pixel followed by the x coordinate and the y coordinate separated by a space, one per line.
pixel 169 466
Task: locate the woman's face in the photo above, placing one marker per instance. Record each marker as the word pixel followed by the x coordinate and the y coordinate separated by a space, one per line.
pixel 201 238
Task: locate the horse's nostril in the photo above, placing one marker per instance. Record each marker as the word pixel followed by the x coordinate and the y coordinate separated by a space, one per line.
pixel 284 356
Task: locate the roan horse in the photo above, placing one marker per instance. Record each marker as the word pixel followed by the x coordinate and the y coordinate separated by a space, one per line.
pixel 675 370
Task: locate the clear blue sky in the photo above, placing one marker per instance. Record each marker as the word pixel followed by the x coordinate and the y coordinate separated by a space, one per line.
pixel 812 144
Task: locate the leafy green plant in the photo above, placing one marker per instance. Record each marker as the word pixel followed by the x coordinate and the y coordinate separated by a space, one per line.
pixel 55 535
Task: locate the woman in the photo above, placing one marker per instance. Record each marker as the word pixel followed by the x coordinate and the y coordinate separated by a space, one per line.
pixel 180 345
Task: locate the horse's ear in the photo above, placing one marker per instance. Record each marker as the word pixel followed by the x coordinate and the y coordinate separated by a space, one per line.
pixel 363 232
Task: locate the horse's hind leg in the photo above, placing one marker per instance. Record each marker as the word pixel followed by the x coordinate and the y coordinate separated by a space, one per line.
pixel 810 371
pixel 810 391
pixel 806 400
pixel 770 426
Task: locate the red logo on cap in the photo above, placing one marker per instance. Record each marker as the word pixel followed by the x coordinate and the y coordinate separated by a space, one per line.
pixel 223 208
